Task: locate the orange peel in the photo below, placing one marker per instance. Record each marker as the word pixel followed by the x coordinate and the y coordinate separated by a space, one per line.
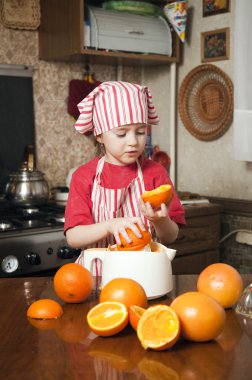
pixel 156 197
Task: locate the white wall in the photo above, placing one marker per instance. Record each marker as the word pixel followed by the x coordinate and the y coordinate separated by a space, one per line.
pixel 207 168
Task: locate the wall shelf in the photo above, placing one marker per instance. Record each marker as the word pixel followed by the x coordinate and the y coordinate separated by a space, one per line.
pixel 61 38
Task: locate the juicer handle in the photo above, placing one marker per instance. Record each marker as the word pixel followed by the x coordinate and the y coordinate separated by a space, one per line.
pixel 90 255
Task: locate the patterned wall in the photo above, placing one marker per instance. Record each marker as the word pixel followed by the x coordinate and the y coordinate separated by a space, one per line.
pixel 59 148
pixel 232 252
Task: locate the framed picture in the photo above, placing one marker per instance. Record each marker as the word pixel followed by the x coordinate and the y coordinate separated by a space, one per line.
pixel 214 7
pixel 215 45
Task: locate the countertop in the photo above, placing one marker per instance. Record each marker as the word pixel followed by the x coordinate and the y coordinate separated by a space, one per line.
pixel 66 349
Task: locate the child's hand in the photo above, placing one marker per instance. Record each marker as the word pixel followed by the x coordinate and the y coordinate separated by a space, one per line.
pixel 118 226
pixel 153 215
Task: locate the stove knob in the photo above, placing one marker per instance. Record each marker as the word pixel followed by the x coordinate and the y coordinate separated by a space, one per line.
pixel 33 258
pixel 65 253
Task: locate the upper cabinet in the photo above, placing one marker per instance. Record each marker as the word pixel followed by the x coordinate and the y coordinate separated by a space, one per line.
pixel 62 38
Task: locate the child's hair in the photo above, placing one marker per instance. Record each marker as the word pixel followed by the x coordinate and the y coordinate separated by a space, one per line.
pixel 99 149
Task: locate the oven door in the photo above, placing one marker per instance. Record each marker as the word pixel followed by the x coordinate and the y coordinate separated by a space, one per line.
pixel 17 118
pixel 34 253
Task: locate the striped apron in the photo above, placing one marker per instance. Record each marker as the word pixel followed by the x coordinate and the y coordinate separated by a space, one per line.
pixel 114 203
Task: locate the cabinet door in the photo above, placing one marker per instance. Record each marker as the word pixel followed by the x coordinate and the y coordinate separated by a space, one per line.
pixel 61 32
pixel 195 263
pixel 200 234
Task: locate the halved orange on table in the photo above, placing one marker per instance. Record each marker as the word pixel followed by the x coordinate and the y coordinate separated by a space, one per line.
pixel 44 324
pixel 156 197
pixel 135 313
pixel 158 328
pixel 108 318
pixel 45 309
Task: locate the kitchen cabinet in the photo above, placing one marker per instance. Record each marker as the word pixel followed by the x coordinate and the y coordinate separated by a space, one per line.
pixel 198 242
pixel 61 38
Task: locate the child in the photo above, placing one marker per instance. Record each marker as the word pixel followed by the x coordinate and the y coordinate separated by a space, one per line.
pixel 105 194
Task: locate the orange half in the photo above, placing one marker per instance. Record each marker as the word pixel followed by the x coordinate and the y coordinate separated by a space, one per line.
pixel 158 328
pixel 136 242
pixel 156 197
pixel 108 318
pixel 45 309
pixel 135 313
pixel 43 324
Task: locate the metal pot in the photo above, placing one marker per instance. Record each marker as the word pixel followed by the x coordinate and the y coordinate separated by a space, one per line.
pixel 27 187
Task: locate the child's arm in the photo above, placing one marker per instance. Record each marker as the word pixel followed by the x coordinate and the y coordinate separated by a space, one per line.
pixel 82 236
pixel 165 228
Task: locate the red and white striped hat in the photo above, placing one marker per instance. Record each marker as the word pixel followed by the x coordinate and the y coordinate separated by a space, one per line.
pixel 113 104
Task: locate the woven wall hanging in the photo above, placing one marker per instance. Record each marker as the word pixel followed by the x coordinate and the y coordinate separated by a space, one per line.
pixel 206 102
pixel 20 14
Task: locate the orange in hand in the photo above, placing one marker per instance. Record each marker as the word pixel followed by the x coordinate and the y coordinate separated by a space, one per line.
pixel 45 309
pixel 158 328
pixel 202 318
pixel 136 242
pixel 156 197
pixel 108 318
pixel 73 283
pixel 222 282
pixel 124 290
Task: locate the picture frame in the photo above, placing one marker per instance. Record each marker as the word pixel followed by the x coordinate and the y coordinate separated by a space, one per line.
pixel 215 45
pixel 214 7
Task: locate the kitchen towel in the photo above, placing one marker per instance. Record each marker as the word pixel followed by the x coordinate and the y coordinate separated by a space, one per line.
pixel 78 90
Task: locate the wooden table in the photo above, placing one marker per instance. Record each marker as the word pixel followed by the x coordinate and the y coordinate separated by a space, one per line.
pixel 66 349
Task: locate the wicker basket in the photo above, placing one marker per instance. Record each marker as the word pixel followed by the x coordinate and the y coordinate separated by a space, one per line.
pixel 206 102
pixel 18 14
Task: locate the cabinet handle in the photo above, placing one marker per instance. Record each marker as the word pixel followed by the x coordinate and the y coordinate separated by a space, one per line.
pixel 138 32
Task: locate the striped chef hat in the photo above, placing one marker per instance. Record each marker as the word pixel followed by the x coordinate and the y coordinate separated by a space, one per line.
pixel 113 104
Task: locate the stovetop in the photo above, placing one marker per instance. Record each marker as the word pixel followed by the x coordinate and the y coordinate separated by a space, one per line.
pixel 14 219
pixel 32 240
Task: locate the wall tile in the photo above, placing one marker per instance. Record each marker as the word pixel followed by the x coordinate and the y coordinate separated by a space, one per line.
pixel 58 146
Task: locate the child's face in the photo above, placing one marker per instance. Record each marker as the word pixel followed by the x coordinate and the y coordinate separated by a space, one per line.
pixel 123 145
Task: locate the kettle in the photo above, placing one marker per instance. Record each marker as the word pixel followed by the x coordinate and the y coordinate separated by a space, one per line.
pixel 27 187
pixel 152 269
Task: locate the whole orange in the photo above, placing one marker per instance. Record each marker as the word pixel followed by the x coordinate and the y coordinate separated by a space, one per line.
pixel 202 318
pixel 124 290
pixel 73 283
pixel 222 282
pixel 136 242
